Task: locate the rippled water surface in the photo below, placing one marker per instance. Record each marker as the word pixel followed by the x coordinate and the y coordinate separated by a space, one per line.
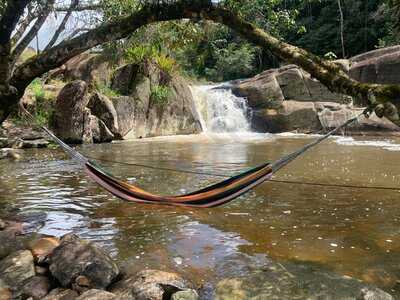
pixel 350 231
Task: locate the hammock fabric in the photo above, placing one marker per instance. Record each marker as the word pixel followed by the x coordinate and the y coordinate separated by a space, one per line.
pixel 214 195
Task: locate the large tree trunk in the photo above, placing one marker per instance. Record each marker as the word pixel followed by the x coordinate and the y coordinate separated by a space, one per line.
pixel 326 72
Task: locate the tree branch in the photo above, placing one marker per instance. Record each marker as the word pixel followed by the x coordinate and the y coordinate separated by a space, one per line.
pixel 9 19
pixel 23 24
pixel 326 72
pixel 60 29
pixel 33 31
pixel 79 8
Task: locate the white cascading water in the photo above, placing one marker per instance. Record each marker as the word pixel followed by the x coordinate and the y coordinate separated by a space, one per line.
pixel 220 110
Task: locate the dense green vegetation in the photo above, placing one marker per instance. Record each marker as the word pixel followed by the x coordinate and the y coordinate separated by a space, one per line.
pixel 213 52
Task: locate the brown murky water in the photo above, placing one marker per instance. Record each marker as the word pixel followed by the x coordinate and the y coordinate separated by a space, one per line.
pixel 350 231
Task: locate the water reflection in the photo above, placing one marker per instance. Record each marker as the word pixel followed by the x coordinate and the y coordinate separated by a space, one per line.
pixel 351 231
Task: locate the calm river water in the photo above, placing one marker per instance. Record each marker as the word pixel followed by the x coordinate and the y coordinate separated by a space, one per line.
pixel 348 230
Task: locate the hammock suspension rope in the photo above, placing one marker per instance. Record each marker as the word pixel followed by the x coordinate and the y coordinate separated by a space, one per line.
pixel 211 196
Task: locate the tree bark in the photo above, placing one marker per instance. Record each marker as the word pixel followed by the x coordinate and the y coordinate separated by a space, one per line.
pixel 326 72
pixel 341 28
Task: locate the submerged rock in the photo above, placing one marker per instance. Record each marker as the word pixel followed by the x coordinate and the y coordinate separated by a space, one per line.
pixel 294 281
pixel 150 285
pixel 75 257
pixel 43 247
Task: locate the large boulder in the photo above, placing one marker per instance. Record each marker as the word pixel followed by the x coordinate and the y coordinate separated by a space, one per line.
pixel 75 259
pixel 271 88
pixel 36 287
pixel 377 66
pixel 332 115
pixel 141 114
pixel 9 243
pixel 150 285
pixel 293 115
pixel 90 67
pixel 70 112
pixel 103 108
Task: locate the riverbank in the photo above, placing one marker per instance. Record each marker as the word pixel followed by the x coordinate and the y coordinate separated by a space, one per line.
pixel 35 266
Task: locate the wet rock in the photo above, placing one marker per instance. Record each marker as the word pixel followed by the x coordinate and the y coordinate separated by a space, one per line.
pixel 125 108
pixel 373 294
pixel 5 291
pixel 16 268
pixel 2 224
pixel 150 285
pixel 81 284
pixel 185 295
pixel 4 142
pixel 75 257
pixel 43 247
pixel 61 294
pixel 10 153
pixel 36 287
pixel 103 108
pixel 9 243
pixel 39 143
pixel 70 111
pixel 97 295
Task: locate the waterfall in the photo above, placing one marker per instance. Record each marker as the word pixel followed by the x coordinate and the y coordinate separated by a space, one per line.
pixel 220 110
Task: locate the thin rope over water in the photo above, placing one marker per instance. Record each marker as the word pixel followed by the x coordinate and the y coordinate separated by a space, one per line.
pixel 351 186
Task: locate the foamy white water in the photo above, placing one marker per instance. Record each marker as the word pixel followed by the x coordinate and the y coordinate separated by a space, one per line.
pixel 220 110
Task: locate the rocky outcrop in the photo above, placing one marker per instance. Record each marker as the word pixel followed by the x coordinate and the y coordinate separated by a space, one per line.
pixel 74 122
pixel 142 112
pixel 103 108
pixel 288 98
pixel 377 66
pixel 94 69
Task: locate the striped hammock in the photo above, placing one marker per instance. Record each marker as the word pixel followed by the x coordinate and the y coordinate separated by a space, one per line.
pixel 214 195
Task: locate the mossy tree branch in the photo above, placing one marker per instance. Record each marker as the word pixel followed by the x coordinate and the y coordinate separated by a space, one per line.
pixel 326 72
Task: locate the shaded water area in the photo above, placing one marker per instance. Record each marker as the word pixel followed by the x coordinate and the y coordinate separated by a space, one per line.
pixel 350 231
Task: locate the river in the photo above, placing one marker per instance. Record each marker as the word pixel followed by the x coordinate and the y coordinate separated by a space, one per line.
pixel 351 231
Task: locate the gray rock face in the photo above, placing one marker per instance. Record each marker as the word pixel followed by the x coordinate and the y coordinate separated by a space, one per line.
pixel 271 88
pixel 293 115
pixel 97 295
pixel 36 287
pixel 101 107
pixel 150 285
pixel 70 112
pixel 16 268
pixel 89 67
pixel 125 108
pixel 378 66
pixel 98 132
pixel 140 115
pixel 75 257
